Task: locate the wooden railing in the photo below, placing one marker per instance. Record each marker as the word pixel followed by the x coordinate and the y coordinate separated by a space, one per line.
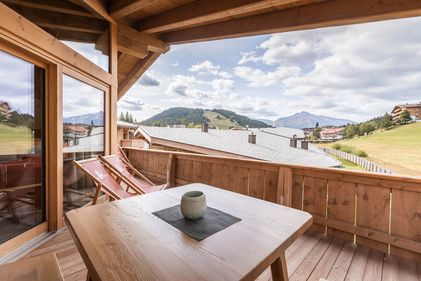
pixel 362 162
pixel 376 210
pixel 132 143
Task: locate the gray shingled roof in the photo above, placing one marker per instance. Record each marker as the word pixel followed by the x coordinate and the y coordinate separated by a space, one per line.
pixel 284 132
pixel 268 146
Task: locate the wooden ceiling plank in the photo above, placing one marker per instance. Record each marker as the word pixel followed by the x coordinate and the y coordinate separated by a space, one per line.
pixel 154 44
pixel 121 9
pixel 136 72
pixel 53 6
pixel 202 11
pixel 60 21
pixel 318 15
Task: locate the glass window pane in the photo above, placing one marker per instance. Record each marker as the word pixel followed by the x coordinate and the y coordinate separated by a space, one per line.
pixel 95 52
pixel 83 137
pixel 22 189
pixel 82 31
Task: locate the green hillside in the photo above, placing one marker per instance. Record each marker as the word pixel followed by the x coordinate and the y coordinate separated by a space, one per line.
pixel 192 117
pixel 15 139
pixel 398 149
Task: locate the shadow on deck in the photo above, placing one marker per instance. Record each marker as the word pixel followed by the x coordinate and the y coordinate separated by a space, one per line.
pixel 313 256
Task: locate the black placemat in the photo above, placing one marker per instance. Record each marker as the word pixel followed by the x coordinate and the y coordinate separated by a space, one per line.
pixel 212 222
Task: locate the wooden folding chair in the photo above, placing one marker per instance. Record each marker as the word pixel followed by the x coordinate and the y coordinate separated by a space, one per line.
pixel 120 152
pixel 135 178
pixel 105 180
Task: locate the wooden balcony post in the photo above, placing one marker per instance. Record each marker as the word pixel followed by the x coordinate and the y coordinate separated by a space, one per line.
pixel 171 166
pixel 284 192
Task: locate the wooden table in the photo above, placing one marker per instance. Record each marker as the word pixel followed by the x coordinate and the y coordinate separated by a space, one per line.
pixel 123 240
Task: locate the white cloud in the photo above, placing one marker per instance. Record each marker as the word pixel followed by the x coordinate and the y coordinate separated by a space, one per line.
pixel 148 81
pixel 354 72
pixel 249 57
pixel 207 67
pixel 186 86
pixel 258 78
pixel 223 85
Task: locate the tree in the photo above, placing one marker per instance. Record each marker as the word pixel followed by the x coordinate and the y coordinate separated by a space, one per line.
pixel 316 132
pixel 405 117
pixel 127 118
pixel 121 118
pixel 366 128
pixel 317 125
pixel 351 131
pixel 386 121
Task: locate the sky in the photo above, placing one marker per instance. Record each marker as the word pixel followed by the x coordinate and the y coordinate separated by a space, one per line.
pixel 355 72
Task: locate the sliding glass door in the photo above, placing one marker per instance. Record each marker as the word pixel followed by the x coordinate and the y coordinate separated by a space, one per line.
pixel 22 186
pixel 83 138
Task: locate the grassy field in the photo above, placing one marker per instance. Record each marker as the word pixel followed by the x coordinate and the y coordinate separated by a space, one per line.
pixel 15 140
pixel 218 121
pixel 398 149
pixel 348 164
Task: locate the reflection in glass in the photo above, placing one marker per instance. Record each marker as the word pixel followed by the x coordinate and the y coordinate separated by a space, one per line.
pixel 84 32
pixel 98 54
pixel 83 138
pixel 22 189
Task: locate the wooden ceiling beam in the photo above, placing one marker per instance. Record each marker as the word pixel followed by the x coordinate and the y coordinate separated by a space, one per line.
pixel 53 6
pixel 73 36
pixel 318 15
pixel 202 11
pixel 135 73
pixel 121 8
pixel 131 47
pixel 60 21
pixel 97 6
pixel 154 44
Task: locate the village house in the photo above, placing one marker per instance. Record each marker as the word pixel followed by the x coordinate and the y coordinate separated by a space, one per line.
pixel 332 133
pixel 414 110
pixel 5 109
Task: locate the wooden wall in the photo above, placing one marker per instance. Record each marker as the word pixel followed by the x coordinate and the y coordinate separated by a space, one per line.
pixel 376 210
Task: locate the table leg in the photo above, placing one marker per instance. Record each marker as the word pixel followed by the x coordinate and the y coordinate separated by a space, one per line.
pixel 279 268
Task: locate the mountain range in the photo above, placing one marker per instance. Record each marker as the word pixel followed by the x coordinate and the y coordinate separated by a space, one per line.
pixel 216 118
pixel 225 119
pixel 304 119
pixel 96 119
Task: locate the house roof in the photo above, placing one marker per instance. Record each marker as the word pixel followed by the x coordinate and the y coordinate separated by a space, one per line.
pixel 6 105
pixel 268 146
pixel 407 105
pixel 331 130
pixel 126 125
pixel 285 132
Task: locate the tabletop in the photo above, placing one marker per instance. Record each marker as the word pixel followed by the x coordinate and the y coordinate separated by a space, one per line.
pixel 123 240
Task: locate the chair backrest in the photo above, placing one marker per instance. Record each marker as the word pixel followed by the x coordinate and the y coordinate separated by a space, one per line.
pixel 120 152
pixel 102 177
pixel 132 176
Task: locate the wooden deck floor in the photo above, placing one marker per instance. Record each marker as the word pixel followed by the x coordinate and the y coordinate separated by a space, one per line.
pixel 312 257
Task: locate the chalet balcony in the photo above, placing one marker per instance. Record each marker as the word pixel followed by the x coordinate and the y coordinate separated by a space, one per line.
pixel 365 225
pixel 65 64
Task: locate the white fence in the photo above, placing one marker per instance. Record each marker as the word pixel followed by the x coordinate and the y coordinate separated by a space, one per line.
pixel 364 163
